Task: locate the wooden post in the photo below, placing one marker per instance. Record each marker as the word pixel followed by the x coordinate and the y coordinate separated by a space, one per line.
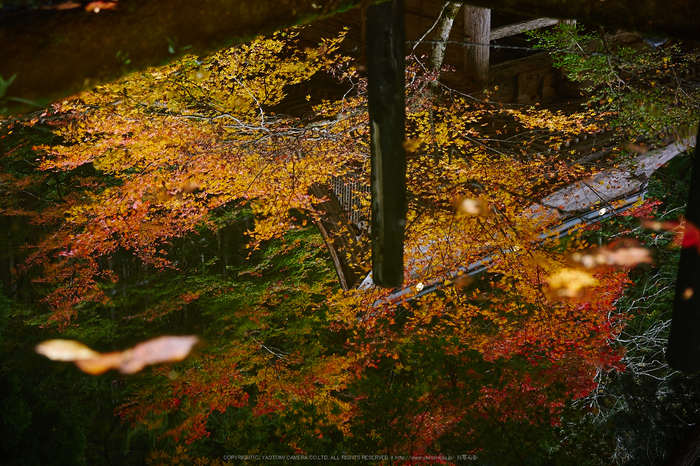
pixel 683 352
pixel 477 27
pixel 385 87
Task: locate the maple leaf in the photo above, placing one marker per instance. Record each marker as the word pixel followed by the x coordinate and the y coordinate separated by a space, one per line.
pixel 155 351
pixel 691 236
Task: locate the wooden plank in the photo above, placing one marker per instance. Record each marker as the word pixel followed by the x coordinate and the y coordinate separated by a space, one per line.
pixel 518 28
pixel 386 47
pixel 683 351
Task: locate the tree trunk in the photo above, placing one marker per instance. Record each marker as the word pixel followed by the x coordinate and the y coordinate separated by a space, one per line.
pixel 447 19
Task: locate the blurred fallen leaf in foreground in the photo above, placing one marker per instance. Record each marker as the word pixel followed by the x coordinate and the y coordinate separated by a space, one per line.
pixel 462 281
pixel 65 350
pixel 95 7
pixel 62 6
pixel 155 351
pixel 638 148
pixel 687 234
pixel 570 283
pixel 473 206
pixel 621 257
pixel 656 225
pixel 411 145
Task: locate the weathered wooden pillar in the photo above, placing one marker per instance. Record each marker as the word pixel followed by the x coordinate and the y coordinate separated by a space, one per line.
pixel 385 86
pixel 477 28
pixel 683 351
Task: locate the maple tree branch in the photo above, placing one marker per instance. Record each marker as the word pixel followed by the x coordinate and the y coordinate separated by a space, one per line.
pixel 437 21
pixel 262 113
pixel 274 351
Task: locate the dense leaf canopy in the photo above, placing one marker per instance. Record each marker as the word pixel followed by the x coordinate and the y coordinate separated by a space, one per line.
pixel 177 200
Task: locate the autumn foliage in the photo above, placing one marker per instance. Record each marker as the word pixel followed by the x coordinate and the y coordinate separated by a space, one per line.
pixel 143 165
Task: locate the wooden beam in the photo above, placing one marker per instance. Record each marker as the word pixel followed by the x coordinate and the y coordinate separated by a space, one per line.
pixel 477 28
pixel 386 47
pixel 518 28
pixel 683 351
